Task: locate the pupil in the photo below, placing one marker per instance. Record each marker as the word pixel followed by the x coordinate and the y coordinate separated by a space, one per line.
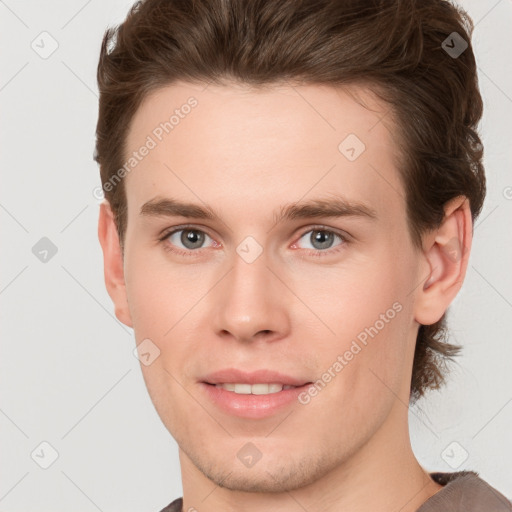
pixel 192 239
pixel 323 239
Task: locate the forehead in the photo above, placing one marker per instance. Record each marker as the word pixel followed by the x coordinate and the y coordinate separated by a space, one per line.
pixel 276 144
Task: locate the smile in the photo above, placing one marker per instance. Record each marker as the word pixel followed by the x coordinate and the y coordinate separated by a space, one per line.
pixel 253 389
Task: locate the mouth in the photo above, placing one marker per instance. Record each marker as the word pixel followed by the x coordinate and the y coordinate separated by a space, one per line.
pixel 252 395
pixel 253 389
pixel 257 382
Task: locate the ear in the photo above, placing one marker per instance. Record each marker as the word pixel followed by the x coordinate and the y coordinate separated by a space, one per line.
pixel 113 263
pixel 445 260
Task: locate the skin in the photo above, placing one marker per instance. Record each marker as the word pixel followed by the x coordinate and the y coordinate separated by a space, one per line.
pixel 246 153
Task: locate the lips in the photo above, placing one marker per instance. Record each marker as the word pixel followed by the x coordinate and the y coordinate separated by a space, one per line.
pixel 262 376
pixel 228 390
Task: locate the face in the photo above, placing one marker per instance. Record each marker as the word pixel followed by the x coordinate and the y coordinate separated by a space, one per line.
pixel 267 232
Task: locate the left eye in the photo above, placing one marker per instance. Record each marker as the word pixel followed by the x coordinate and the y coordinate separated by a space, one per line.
pixel 320 239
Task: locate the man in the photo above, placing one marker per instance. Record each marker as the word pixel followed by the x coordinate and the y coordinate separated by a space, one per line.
pixel 290 193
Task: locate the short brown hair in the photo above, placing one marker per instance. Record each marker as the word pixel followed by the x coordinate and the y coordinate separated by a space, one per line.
pixel 393 46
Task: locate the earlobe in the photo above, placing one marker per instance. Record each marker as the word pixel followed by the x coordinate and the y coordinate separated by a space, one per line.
pixel 113 263
pixel 446 255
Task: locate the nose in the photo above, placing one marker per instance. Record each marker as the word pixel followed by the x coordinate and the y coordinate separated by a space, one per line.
pixel 251 303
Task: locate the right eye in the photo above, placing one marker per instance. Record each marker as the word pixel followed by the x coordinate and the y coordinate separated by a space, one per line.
pixel 186 240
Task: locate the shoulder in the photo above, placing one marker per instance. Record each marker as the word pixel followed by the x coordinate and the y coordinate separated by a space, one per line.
pixel 465 491
pixel 175 506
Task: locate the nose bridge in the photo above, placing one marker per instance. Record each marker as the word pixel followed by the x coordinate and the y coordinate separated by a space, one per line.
pixel 250 300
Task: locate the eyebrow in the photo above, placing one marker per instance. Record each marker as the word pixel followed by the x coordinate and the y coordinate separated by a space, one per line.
pixel 335 207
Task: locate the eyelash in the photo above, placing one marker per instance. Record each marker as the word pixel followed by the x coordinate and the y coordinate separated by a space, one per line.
pixel 315 253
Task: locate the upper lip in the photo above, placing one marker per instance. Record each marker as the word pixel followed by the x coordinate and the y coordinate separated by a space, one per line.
pixel 235 376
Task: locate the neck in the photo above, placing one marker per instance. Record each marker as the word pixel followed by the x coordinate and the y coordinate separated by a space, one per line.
pixel 382 475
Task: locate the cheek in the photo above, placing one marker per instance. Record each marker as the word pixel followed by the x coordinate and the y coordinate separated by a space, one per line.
pixel 164 301
pixel 161 301
pixel 363 365
pixel 366 328
pixel 355 295
pixel 159 294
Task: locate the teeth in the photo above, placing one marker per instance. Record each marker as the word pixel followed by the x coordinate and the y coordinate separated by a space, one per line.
pixel 254 389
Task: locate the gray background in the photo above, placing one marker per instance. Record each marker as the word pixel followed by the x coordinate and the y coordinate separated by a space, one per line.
pixel 67 371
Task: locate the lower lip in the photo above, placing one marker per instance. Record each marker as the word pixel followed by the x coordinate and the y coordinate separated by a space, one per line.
pixel 252 406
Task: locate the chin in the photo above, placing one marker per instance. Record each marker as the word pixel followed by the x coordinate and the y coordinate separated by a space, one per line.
pixel 269 475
